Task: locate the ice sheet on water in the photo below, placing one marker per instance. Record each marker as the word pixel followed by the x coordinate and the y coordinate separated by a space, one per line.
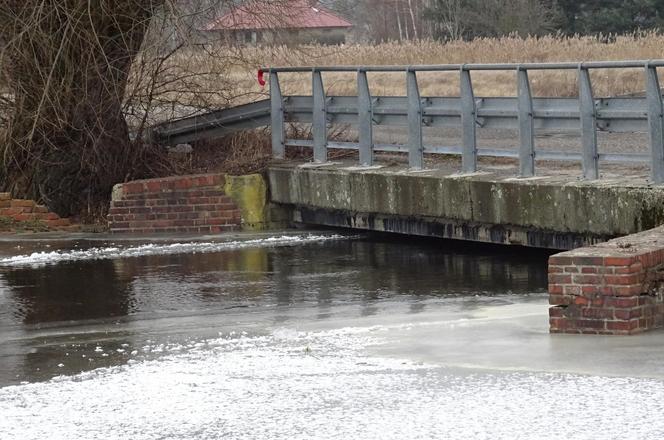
pixel 97 253
pixel 319 385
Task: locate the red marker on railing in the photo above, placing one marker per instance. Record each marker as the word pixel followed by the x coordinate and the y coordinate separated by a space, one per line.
pixel 261 77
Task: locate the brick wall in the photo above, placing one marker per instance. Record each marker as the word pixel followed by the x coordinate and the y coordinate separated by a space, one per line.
pixel 189 204
pixel 612 288
pixel 22 210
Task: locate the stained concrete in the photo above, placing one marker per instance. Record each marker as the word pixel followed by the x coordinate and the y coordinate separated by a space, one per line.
pixel 559 212
pixel 250 195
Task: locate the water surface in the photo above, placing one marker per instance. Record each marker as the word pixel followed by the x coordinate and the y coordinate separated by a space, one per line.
pixel 304 335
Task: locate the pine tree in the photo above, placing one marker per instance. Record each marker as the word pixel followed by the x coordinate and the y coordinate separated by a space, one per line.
pixel 611 16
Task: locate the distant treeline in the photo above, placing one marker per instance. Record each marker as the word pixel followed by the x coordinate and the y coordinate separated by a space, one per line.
pixel 381 20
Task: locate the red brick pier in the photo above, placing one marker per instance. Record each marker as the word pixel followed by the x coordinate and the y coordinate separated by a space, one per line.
pixel 614 288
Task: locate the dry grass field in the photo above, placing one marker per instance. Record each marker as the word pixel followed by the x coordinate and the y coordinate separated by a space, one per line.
pixel 233 72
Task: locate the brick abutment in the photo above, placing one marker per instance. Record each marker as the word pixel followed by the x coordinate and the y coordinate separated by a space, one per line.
pixel 612 288
pixel 183 204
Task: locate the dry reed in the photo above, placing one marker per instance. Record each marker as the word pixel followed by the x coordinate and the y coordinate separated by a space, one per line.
pixel 241 70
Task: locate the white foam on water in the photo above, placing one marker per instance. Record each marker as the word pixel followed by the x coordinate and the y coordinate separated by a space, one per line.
pixel 37 259
pixel 323 385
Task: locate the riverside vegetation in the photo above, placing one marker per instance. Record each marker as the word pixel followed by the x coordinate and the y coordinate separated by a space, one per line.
pixel 508 49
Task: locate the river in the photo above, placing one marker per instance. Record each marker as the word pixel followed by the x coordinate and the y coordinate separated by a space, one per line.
pixel 304 335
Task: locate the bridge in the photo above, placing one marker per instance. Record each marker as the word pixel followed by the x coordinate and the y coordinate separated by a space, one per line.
pixel 528 191
pixel 558 196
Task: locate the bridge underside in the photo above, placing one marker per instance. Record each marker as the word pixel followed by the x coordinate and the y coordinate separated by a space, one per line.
pixel 442 228
pixel 549 212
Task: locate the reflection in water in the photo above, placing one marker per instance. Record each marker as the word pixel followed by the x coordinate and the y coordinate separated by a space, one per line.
pixel 67 292
pixel 340 271
pixel 323 277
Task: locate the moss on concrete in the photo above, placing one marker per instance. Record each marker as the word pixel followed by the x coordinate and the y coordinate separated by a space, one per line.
pixel 250 194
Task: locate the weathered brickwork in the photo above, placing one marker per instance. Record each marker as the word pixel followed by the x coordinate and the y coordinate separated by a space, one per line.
pixel 189 204
pixel 612 288
pixel 22 210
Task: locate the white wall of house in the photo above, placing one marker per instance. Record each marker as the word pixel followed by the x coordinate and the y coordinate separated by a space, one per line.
pixel 285 36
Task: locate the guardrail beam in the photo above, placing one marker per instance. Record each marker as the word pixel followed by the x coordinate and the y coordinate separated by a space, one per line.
pixel 625 114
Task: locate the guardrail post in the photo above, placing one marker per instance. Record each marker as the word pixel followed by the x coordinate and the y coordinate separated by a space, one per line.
pixel 526 125
pixel 415 140
pixel 277 117
pixel 656 123
pixel 588 116
pixel 468 121
pixel 365 119
pixel 319 126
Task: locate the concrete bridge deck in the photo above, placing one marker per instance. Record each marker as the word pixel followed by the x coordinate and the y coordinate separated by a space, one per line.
pixel 558 211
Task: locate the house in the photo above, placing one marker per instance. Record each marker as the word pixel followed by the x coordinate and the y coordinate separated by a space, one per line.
pixel 279 22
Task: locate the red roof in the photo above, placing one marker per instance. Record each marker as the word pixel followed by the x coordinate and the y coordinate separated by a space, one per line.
pixel 290 14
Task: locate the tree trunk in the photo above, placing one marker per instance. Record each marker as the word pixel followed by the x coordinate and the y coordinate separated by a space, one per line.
pixel 67 64
pixel 412 18
pixel 398 14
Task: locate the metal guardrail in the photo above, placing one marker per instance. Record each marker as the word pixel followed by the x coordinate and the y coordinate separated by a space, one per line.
pixel 213 125
pixel 523 112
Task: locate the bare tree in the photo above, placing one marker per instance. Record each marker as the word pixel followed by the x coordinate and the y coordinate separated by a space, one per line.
pixel 65 65
pixel 73 73
pixel 523 17
pixel 454 19
pixel 448 18
pixel 413 13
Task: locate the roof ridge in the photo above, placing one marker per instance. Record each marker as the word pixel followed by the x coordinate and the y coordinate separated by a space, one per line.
pixel 252 14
